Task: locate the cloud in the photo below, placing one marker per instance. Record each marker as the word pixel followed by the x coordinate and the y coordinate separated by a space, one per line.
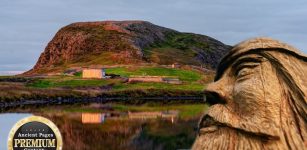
pixel 28 25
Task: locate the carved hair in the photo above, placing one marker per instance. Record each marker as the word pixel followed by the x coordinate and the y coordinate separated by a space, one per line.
pixel 291 69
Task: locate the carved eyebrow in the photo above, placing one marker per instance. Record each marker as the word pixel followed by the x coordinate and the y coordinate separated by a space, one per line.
pixel 252 61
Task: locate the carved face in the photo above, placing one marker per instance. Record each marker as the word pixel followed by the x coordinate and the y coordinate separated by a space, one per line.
pixel 245 107
pixel 258 99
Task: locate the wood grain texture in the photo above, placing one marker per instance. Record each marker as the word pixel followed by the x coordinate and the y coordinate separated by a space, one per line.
pixel 258 99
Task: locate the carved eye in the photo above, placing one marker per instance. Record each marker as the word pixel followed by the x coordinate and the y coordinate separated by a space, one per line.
pixel 243 72
pixel 245 69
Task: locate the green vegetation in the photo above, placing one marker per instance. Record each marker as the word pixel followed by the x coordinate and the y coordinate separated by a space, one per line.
pixel 105 58
pixel 78 83
pixel 185 41
pixel 182 41
pixel 78 74
pixel 152 133
pixel 41 84
pixel 190 79
pixel 193 82
pixel 184 75
pixel 165 55
pixel 180 134
pixel 185 46
pixel 185 111
pixel 67 82
pixel 109 43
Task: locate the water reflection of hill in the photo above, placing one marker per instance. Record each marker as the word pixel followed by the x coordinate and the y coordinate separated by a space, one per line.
pixel 122 133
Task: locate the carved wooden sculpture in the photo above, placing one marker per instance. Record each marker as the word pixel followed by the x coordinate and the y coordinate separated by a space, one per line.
pixel 258 99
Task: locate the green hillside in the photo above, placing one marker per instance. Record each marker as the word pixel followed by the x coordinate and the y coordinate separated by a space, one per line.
pixel 86 44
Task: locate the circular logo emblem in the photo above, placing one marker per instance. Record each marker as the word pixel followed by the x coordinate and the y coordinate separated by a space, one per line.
pixel 35 133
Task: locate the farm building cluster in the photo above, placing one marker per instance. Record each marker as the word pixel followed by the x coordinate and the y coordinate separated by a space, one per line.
pixel 100 73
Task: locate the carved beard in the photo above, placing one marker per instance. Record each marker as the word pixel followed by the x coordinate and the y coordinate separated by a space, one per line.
pixel 214 135
pixel 227 138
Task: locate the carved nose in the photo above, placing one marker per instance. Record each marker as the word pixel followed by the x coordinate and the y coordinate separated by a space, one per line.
pixel 214 94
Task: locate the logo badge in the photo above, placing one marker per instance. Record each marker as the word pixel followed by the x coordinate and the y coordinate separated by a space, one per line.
pixel 35 133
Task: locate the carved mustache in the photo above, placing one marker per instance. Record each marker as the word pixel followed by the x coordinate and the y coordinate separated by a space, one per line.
pixel 208 124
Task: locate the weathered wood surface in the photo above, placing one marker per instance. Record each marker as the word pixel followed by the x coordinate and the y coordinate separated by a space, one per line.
pixel 258 99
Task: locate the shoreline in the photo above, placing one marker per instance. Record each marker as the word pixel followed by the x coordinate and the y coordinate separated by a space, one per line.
pixel 4 106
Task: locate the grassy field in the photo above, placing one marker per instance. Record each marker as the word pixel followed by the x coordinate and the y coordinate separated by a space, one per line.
pixel 133 86
pixel 68 82
pixel 184 75
pixel 190 79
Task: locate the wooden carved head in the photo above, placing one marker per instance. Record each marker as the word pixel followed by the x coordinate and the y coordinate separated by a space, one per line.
pixel 258 99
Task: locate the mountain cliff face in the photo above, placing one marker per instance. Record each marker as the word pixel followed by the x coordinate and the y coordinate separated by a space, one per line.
pixel 126 42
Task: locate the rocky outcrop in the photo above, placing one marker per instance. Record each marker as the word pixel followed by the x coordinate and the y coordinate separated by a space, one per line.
pixel 125 42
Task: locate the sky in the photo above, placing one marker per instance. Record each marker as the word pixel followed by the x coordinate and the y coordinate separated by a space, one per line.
pixel 26 26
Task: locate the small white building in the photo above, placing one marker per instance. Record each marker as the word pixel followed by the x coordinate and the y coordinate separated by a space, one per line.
pixel 94 73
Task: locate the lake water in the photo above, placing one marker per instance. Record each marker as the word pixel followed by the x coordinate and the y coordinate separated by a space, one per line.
pixel 105 126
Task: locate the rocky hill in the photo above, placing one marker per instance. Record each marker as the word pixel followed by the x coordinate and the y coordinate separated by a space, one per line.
pixel 84 44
